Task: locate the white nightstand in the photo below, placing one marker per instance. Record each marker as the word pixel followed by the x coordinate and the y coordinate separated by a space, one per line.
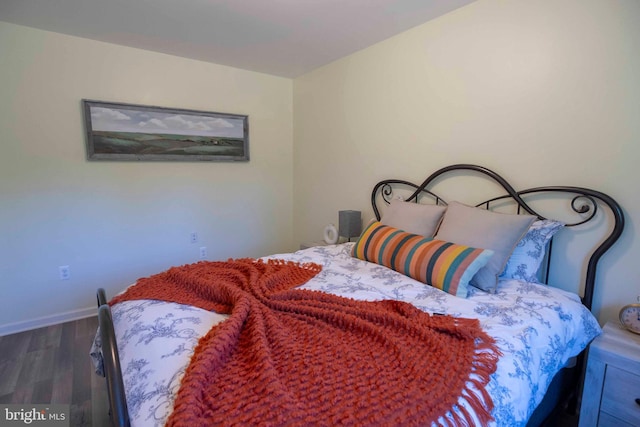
pixel 611 395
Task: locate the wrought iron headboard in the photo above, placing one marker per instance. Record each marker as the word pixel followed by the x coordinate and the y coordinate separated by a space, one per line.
pixel 584 201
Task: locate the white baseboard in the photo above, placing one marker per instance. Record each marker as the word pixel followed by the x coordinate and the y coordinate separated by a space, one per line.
pixel 40 322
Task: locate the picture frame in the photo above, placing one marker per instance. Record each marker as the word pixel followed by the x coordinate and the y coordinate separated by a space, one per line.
pixel 118 131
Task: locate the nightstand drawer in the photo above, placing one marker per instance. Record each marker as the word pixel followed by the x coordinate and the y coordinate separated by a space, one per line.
pixel 607 420
pixel 621 389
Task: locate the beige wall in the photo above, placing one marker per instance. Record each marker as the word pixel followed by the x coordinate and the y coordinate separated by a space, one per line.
pixel 113 222
pixel 544 92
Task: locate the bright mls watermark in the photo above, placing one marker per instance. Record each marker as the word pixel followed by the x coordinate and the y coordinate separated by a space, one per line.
pixel 41 415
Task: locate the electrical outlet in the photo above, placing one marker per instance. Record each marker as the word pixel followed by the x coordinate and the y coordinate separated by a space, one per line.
pixel 203 252
pixel 193 237
pixel 65 273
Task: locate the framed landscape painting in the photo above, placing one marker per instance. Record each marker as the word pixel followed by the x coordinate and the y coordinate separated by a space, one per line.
pixel 136 132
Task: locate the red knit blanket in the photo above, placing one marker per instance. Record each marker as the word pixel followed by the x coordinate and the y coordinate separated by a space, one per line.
pixel 298 357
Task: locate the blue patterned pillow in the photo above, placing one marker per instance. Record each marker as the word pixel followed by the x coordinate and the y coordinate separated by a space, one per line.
pixel 528 254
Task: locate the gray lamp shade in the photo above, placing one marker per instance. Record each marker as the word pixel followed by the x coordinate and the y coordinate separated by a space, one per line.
pixel 349 224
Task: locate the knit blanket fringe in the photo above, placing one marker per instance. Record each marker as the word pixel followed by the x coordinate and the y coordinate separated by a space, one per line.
pixel 290 357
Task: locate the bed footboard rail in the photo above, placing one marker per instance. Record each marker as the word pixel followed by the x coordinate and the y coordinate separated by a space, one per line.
pixel 101 296
pixel 111 364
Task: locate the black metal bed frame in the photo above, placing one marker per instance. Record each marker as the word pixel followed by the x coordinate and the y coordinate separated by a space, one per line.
pixel 584 201
pixel 588 207
pixel 118 410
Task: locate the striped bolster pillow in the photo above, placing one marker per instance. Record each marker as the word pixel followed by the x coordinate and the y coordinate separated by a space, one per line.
pixel 444 265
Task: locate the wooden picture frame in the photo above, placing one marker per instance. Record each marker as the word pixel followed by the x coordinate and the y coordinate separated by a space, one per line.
pixel 117 131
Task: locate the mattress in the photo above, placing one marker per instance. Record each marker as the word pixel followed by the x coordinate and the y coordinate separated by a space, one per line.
pixel 537 329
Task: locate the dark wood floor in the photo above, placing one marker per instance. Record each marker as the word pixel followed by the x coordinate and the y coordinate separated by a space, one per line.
pixel 52 365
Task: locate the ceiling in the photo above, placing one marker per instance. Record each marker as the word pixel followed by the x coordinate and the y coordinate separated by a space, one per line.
pixel 285 38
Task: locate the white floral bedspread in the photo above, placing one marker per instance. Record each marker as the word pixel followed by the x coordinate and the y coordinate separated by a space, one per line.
pixel 537 328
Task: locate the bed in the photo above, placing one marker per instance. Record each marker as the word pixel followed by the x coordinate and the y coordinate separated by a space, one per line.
pixel 479 336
